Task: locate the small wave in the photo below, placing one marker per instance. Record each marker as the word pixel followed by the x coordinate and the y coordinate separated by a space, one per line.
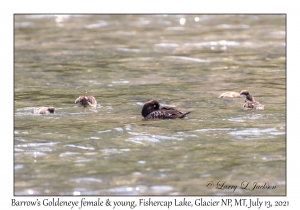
pixel 86 179
pixel 166 45
pixel 23 24
pixel 242 119
pixel 95 137
pixel 138 139
pixel 105 131
pixel 80 147
pixel 99 24
pixel 254 133
pixel 120 82
pixel 65 154
pixel 187 58
pixel 161 188
pixel 128 50
pixel 214 129
pixel 175 28
pixel 213 43
pixel 140 103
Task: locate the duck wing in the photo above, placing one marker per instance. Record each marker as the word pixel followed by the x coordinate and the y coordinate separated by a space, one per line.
pixel 166 113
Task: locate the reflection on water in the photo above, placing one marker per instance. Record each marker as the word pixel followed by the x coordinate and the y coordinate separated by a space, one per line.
pixel 183 61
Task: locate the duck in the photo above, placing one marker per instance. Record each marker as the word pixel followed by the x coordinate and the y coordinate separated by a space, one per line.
pixel 85 101
pixel 44 110
pixel 250 102
pixel 230 95
pixel 152 110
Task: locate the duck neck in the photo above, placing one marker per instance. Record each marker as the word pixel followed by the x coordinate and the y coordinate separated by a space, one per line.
pixel 250 98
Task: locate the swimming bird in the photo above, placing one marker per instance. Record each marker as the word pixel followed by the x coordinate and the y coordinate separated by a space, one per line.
pixel 250 103
pixel 44 110
pixel 85 101
pixel 230 95
pixel 152 110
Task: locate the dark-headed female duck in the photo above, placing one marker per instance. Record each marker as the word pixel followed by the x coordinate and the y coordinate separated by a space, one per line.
pixel 152 110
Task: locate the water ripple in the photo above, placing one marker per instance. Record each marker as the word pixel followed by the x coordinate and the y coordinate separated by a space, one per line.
pixel 138 139
pixel 214 129
pixel 23 24
pixel 80 147
pixel 128 50
pixel 125 190
pixel 243 118
pixel 254 133
pixel 105 131
pixel 99 24
pixel 186 58
pixel 161 188
pixel 166 45
pixel 65 154
pixel 86 179
pixel 120 82
pixel 152 138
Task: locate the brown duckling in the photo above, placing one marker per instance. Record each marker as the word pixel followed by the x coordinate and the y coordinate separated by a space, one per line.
pixel 230 95
pixel 152 110
pixel 250 103
pixel 85 101
pixel 44 110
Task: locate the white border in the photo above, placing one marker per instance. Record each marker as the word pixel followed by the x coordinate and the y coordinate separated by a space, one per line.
pixel 8 8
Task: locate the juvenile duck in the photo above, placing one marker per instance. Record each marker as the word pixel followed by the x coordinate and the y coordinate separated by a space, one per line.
pixel 230 95
pixel 44 110
pixel 85 101
pixel 152 110
pixel 250 103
